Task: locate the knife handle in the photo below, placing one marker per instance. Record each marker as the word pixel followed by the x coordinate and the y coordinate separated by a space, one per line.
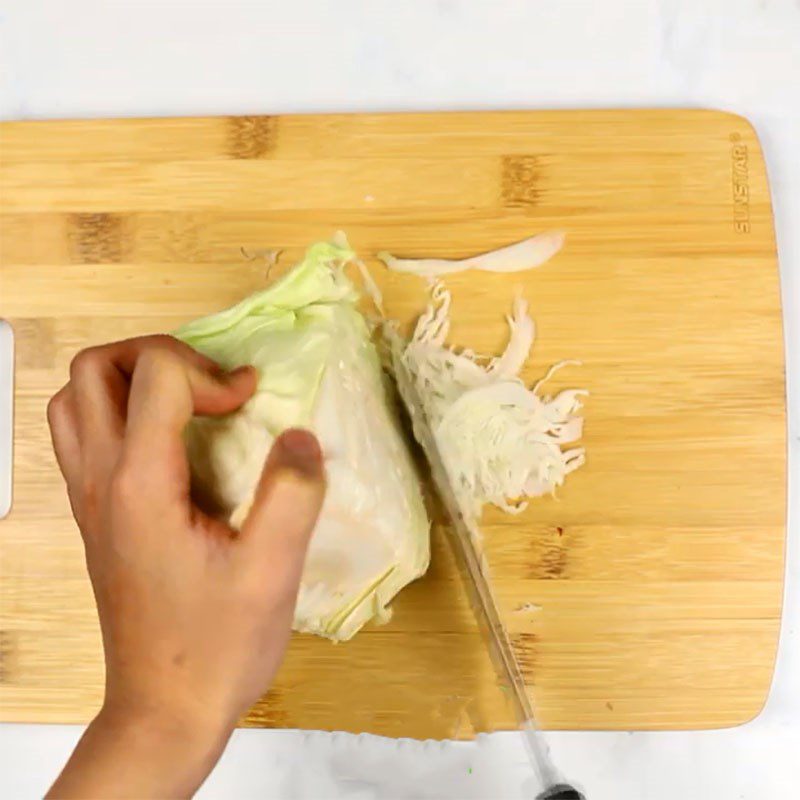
pixel 561 791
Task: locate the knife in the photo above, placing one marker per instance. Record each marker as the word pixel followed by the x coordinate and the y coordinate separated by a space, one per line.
pixel 474 571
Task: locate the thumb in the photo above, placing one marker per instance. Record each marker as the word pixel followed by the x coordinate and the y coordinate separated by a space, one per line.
pixel 287 503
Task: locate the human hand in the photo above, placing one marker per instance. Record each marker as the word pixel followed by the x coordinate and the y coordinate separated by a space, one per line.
pixel 195 617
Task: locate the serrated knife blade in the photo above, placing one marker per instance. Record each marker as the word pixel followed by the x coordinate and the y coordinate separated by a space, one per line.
pixel 474 571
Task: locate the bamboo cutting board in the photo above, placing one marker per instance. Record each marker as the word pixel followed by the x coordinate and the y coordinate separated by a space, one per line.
pixel 648 594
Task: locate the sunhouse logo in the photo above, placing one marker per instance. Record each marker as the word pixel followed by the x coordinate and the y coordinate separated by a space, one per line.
pixel 739 185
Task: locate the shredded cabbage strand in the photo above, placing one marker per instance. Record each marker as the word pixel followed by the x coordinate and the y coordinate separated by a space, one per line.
pixel 528 253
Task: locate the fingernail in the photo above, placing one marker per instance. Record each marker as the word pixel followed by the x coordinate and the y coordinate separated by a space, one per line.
pixel 234 374
pixel 300 450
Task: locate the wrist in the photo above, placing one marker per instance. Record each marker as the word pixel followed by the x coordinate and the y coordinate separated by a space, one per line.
pixel 179 750
pixel 166 715
pixel 134 753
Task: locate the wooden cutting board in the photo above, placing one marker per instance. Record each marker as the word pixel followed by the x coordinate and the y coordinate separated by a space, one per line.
pixel 655 578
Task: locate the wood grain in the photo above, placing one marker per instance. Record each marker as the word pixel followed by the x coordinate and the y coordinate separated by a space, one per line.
pixel 656 576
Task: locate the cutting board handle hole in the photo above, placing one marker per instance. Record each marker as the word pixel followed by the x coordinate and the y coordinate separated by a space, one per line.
pixel 6 415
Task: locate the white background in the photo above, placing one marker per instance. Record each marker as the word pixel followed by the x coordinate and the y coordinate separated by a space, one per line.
pixel 173 57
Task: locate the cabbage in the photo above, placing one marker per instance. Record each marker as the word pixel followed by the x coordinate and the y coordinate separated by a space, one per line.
pixel 527 254
pixel 317 369
pixel 500 441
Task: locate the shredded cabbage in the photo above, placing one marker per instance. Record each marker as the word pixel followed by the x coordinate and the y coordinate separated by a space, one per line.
pixel 317 369
pixel 500 441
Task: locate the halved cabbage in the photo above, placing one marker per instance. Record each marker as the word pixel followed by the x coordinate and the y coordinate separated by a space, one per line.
pixel 317 369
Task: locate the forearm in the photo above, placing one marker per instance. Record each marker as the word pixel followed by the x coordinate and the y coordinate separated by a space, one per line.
pixel 136 756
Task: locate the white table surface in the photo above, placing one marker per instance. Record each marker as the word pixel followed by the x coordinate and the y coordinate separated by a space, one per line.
pixel 173 57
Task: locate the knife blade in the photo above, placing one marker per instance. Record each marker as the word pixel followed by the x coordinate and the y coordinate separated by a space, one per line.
pixel 464 534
